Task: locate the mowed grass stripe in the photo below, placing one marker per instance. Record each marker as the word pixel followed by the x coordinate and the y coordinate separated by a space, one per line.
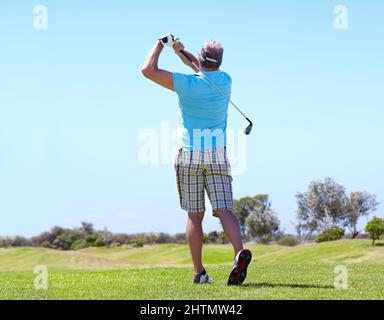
pixel 165 272
pixel 173 255
pixel 265 281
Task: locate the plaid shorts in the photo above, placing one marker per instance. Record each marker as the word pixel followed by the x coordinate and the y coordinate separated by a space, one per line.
pixel 200 171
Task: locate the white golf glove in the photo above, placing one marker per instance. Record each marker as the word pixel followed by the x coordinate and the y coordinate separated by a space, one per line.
pixel 168 40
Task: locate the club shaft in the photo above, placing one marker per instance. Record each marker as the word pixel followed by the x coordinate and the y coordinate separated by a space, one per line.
pixel 214 85
pixel 222 93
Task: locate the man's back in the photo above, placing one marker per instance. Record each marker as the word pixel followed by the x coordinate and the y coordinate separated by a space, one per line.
pixel 203 110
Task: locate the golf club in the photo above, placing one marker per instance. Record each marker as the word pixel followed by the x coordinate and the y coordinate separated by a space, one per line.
pixel 248 129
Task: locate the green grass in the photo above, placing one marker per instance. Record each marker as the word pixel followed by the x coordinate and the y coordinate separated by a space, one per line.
pixel 164 272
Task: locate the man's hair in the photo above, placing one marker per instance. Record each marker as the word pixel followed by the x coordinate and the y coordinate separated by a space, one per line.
pixel 211 55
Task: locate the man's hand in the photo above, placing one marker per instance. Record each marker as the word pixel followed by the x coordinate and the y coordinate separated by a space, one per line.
pixel 179 46
pixel 167 40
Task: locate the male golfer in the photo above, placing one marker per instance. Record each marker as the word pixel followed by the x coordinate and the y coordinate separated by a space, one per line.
pixel 202 164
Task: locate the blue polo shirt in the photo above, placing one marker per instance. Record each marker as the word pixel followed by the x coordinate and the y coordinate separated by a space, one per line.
pixel 203 110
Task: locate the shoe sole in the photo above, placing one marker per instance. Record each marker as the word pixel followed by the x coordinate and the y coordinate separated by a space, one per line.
pixel 239 274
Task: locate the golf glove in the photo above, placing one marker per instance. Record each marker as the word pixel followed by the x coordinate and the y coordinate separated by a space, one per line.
pixel 167 40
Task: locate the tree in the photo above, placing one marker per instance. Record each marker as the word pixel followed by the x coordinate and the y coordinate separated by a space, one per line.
pixel 19 241
pixel 244 206
pixel 48 236
pixel 223 237
pixel 65 241
pixel 181 238
pixel 360 204
pixel 5 242
pixel 164 238
pixel 375 229
pixel 324 205
pixel 106 236
pixel 99 242
pixel 79 244
pixel 86 229
pixel 91 239
pixel 262 223
pixel 213 237
pixel 43 238
pixel 138 243
pixel 300 230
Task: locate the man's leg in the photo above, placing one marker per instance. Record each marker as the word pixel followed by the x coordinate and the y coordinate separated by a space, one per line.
pixel 195 238
pixel 243 257
pixel 231 228
pixel 219 189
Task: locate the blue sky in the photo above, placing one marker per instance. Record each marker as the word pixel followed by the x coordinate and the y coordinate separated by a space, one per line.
pixel 73 102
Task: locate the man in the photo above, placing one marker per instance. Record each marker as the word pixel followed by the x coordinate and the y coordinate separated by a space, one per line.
pixel 202 164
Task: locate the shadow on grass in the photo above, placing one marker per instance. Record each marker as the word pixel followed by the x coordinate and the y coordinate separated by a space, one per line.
pixel 285 285
pixel 380 244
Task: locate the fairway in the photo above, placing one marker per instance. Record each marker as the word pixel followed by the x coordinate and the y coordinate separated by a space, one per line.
pixel 164 272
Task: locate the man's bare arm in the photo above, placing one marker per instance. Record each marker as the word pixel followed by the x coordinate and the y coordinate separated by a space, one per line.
pixel 151 70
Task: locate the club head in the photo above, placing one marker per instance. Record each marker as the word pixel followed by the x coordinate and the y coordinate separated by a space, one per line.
pixel 248 129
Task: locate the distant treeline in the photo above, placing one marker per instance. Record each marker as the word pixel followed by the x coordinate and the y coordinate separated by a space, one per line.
pixel 86 236
pixel 325 212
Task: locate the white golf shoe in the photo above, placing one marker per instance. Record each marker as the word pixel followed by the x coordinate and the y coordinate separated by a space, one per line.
pixel 202 278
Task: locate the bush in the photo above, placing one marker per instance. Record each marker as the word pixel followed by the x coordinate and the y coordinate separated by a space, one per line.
pixel 63 242
pixel 332 234
pixel 91 239
pixel 213 237
pixel 45 244
pixel 99 242
pixel 138 243
pixel 20 242
pixel 79 244
pixel 49 236
pixel 375 229
pixel 115 245
pixel 6 242
pixel 278 235
pixel 181 238
pixel 288 241
pixel 223 237
pixel 120 238
pixel 164 238
pixel 66 240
